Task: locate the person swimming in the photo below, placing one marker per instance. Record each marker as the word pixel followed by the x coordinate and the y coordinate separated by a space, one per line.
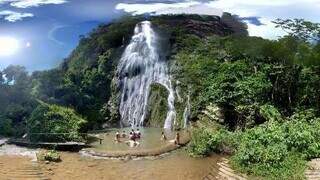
pixel 131 136
pixel 138 134
pixel 132 143
pixel 163 136
pixel 123 135
pixel 133 132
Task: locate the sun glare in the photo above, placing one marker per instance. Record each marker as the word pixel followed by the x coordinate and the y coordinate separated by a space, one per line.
pixel 8 46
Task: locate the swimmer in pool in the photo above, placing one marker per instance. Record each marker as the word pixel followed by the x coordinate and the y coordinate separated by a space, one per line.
pixel 132 143
pixel 163 137
pixel 138 134
pixel 176 139
pixel 123 135
pixel 131 136
pixel 117 137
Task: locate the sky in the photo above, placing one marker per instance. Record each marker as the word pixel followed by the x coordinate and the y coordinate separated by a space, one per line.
pixel 39 34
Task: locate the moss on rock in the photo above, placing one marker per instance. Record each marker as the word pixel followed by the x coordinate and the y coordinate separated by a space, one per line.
pixel 157 106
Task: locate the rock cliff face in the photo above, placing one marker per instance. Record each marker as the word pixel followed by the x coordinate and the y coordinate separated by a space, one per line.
pixel 203 26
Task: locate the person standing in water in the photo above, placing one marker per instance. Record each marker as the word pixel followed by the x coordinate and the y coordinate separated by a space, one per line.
pixel 177 139
pixel 138 134
pixel 117 137
pixel 133 133
pixel 131 136
pixel 163 136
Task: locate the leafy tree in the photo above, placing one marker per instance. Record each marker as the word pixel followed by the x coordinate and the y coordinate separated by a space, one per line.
pixel 6 127
pixel 1 78
pixel 46 85
pixel 16 75
pixel 300 28
pixel 308 94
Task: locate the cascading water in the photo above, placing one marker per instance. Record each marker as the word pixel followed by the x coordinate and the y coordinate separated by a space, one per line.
pixel 186 112
pixel 141 65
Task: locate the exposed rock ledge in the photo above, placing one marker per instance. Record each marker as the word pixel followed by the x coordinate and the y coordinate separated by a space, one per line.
pixel 3 141
pixel 137 153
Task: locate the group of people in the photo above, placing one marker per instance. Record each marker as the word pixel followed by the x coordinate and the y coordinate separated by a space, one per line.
pixel 176 139
pixel 133 136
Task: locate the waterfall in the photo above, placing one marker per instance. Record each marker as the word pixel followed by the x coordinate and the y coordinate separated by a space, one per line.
pixel 186 112
pixel 141 65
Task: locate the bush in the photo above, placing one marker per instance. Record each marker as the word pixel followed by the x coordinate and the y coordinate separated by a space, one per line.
pixel 201 142
pixel 205 141
pixel 51 156
pixel 54 123
pixel 275 149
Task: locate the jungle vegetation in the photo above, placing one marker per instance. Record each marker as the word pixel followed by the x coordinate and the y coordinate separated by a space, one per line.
pixel 268 92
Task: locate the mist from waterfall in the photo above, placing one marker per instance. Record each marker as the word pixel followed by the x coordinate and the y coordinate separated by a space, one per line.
pixel 142 64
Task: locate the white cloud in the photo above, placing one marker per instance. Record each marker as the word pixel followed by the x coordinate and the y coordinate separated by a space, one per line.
pixel 201 9
pixel 267 30
pixel 136 9
pixel 12 16
pixel 5 1
pixel 35 3
pixel 267 10
pixel 31 3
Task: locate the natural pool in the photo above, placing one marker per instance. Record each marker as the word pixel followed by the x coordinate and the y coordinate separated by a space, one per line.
pixel 150 139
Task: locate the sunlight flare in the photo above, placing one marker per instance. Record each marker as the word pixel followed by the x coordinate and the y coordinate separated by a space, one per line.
pixel 8 46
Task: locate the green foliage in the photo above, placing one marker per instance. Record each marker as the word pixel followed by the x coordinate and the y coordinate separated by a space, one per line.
pixel 292 166
pixel 267 150
pixel 308 94
pixel 51 156
pixel 270 113
pixel 275 149
pixel 236 84
pixel 6 127
pixel 16 102
pixel 54 123
pixel 204 141
pixel 46 85
pixel 157 106
pixel 201 143
pixel 240 74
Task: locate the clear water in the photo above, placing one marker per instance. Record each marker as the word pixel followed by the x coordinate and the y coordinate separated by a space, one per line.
pixel 141 65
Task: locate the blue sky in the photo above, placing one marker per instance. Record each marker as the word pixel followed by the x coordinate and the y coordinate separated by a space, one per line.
pixel 42 33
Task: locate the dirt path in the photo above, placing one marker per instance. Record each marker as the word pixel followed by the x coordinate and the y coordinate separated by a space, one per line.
pixel 18 167
pixel 313 171
pixel 222 170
